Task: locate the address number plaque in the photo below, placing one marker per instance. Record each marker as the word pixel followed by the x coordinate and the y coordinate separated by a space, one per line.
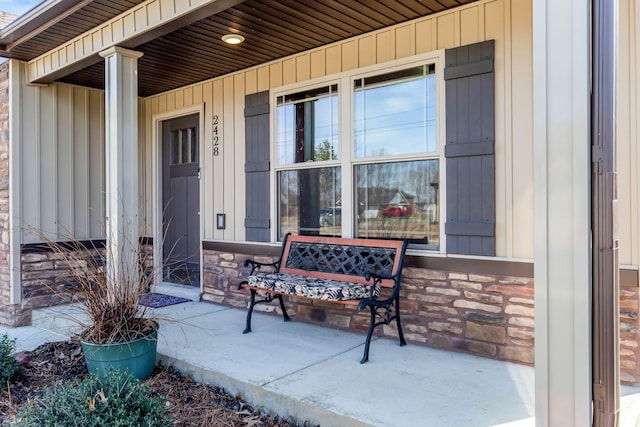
pixel 216 136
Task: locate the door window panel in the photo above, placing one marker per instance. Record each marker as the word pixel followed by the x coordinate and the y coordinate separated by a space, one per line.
pixel 184 146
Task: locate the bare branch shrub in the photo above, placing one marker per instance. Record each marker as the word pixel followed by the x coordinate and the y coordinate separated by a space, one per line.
pixel 112 302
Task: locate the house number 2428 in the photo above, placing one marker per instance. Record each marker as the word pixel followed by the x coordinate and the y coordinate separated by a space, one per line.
pixel 216 137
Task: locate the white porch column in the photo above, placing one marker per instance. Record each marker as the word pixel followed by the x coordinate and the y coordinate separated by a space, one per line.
pixel 121 118
pixel 561 111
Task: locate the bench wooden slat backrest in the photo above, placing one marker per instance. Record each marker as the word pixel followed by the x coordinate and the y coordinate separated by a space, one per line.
pixel 342 259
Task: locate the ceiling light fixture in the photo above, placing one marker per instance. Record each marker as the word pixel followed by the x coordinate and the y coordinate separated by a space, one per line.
pixel 232 38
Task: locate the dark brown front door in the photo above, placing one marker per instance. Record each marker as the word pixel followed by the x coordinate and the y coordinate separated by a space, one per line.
pixel 181 200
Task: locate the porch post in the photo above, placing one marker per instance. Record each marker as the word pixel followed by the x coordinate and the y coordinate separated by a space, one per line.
pixel 606 295
pixel 121 123
pixel 561 115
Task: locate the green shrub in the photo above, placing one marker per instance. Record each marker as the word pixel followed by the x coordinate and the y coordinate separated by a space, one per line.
pixel 8 365
pixel 117 400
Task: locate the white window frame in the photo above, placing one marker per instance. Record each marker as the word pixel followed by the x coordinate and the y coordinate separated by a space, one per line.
pixel 346 160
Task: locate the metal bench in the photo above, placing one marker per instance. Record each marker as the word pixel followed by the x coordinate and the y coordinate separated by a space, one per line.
pixel 345 271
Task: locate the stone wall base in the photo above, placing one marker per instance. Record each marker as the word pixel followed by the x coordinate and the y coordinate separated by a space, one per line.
pixel 14 316
pixel 481 314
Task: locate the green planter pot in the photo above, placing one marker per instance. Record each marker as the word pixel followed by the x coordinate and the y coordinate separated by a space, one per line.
pixel 137 357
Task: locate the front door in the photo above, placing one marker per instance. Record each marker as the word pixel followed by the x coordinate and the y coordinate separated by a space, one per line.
pixel 181 200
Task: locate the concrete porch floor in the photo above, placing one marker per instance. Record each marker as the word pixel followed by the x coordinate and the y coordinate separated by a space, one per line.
pixel 313 373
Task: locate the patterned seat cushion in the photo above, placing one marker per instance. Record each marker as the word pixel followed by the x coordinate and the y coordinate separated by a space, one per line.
pixel 311 287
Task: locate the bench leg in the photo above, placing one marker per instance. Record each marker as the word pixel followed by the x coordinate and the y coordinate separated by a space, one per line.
pixel 247 328
pixel 284 310
pixel 400 334
pixel 372 325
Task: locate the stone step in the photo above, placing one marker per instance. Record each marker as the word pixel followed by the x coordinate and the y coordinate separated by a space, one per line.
pixel 68 320
pixel 189 292
pixel 65 320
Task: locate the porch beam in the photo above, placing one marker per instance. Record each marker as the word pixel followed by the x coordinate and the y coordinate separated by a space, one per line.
pixel 562 269
pixel 121 128
pixel 140 24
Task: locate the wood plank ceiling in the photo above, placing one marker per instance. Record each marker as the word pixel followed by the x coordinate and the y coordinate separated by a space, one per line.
pixel 78 22
pixel 273 29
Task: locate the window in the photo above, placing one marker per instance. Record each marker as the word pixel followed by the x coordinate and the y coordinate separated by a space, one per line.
pixel 307 138
pixel 398 199
pixel 307 198
pixel 395 113
pixel 307 126
pixel 389 162
pixel 395 118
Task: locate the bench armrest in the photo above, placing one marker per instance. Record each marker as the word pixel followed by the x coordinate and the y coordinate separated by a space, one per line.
pixel 255 265
pixel 377 278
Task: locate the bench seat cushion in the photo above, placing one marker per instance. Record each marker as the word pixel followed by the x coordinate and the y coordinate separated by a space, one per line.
pixel 311 287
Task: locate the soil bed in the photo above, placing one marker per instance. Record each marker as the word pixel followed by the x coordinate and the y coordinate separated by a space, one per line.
pixel 192 404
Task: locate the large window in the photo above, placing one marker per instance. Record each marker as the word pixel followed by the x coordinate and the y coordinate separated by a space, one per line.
pixel 380 181
pixel 394 119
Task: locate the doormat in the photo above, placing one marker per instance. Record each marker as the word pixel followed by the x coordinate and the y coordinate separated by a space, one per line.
pixel 156 300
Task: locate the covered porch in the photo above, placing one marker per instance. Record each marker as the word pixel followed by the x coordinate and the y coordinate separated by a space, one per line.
pixel 157 57
pixel 312 373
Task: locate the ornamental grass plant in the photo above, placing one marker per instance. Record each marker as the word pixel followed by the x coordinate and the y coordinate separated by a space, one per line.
pixel 110 296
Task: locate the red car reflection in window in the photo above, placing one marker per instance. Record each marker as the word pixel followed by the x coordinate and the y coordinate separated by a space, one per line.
pixel 396 211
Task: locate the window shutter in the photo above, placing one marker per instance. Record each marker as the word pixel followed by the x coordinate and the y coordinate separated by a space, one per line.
pixel 469 149
pixel 256 114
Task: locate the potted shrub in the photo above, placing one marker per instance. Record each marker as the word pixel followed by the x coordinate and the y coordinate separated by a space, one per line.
pixel 119 331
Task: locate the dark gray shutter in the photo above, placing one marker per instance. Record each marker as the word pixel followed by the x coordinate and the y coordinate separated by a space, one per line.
pixel 469 149
pixel 256 116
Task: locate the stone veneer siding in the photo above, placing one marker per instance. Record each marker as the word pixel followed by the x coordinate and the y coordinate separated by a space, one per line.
pixel 483 314
pixel 9 314
pixel 47 280
pixel 629 351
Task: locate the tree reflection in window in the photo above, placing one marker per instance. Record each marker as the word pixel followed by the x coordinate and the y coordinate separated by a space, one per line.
pixel 398 200
pixel 309 201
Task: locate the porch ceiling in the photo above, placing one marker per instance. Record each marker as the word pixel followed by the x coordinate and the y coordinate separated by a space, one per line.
pixel 273 29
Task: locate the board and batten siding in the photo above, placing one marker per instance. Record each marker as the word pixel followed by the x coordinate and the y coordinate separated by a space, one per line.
pixel 628 133
pixel 508 22
pixel 62 127
pixel 61 159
